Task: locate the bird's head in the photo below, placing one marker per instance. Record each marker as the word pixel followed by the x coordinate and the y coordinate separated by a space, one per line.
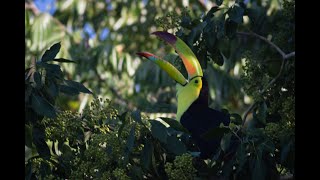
pixel 188 90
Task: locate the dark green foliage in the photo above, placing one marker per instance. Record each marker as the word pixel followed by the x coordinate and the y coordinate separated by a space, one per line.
pixel 105 142
pixel 43 83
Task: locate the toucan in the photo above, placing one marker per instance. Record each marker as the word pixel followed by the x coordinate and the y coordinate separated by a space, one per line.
pixel 193 111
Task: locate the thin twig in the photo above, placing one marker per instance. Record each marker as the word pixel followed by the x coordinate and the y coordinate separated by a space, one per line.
pixel 236 135
pixel 284 57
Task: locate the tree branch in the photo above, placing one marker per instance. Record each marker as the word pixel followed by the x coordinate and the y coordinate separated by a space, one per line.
pixel 284 58
pixel 284 55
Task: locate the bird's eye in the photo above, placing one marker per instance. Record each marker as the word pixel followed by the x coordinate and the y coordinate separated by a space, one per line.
pixel 196 81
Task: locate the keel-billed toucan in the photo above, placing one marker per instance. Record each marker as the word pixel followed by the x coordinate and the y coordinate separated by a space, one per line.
pixel 192 95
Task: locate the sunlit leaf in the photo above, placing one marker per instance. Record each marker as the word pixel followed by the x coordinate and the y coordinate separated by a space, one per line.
pixel 175 124
pixel 45 31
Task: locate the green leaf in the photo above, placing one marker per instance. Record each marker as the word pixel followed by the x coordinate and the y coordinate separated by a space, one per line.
pixel 42 106
pixel 44 31
pixel 174 124
pixel 219 2
pixel 51 53
pixel 236 118
pixel 236 13
pixel 175 146
pixel 80 87
pixel 159 131
pixel 210 37
pixel 230 28
pixel 63 60
pixel 136 116
pixel 147 151
pixel 217 132
pixel 225 142
pixel 52 89
pixel 195 34
pixel 220 29
pixel 68 90
pixel 38 137
pixel 53 70
pixel 210 13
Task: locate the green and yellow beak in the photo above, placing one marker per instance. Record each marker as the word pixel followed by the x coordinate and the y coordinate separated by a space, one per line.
pixel 190 61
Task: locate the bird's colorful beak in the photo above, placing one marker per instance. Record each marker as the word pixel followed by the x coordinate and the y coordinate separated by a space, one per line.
pixel 190 61
pixel 166 66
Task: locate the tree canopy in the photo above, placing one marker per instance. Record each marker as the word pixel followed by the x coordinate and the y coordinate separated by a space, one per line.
pixel 95 110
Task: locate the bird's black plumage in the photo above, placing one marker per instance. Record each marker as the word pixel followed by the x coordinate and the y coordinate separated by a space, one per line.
pixel 199 119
